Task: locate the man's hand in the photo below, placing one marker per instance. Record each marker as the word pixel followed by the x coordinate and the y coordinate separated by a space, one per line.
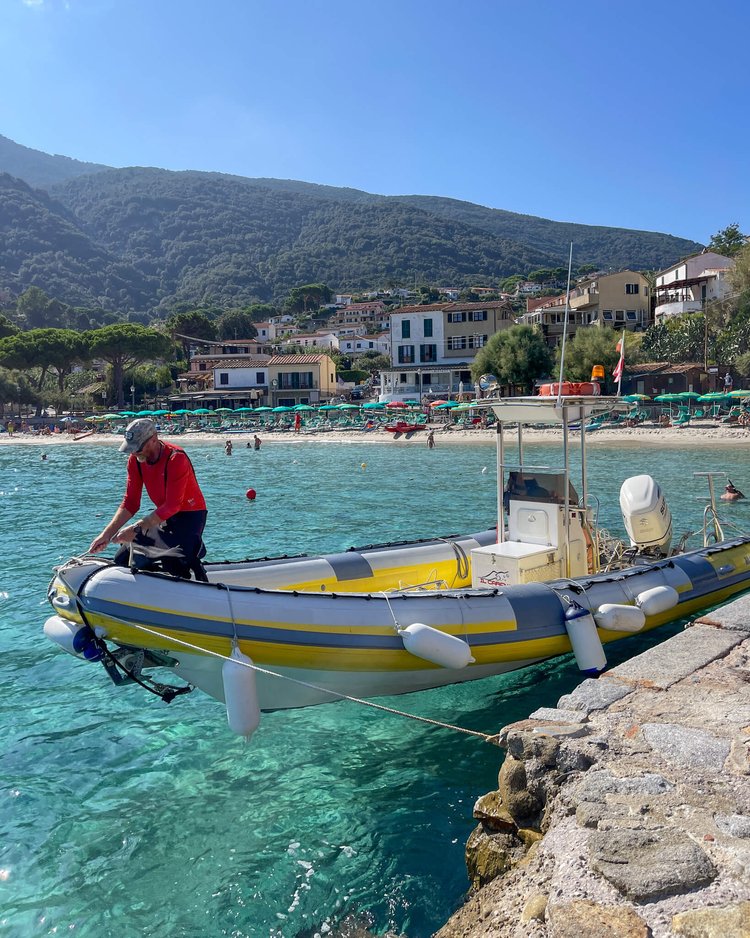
pixel 126 535
pixel 99 543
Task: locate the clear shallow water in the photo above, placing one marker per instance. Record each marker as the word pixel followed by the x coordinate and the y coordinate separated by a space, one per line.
pixel 123 816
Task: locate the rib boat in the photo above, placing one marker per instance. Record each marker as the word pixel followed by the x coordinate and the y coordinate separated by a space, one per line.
pixel 285 632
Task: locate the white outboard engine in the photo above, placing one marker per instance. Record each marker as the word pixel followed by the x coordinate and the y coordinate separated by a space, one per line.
pixel 647 518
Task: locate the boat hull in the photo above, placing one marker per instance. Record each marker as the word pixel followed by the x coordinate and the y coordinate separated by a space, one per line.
pixel 329 626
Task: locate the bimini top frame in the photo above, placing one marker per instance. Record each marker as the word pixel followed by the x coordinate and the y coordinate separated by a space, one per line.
pixel 549 411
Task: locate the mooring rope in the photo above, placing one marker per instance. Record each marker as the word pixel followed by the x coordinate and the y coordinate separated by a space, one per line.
pixel 486 737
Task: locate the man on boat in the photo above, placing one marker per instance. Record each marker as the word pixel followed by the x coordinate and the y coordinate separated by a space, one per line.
pixel 172 532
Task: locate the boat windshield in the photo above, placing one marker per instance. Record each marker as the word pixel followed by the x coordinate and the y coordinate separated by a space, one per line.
pixel 539 487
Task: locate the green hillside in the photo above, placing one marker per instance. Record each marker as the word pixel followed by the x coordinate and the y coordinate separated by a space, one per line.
pixel 143 239
pixel 40 169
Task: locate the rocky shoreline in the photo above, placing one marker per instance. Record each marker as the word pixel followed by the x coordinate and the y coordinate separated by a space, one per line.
pixel 625 811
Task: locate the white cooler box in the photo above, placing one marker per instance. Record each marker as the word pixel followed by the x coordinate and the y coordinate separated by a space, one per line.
pixel 512 562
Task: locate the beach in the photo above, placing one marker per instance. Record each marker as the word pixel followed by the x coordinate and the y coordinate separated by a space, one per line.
pixel 698 433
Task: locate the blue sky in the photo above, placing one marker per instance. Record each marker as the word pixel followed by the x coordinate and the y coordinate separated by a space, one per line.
pixel 630 114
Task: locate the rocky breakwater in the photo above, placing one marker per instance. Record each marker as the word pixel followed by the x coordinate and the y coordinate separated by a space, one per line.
pixel 625 811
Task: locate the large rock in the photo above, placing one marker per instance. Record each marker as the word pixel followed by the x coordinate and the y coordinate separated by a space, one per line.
pixel 584 919
pixel 488 855
pixel 729 921
pixel 521 804
pixel 650 865
pixel 687 747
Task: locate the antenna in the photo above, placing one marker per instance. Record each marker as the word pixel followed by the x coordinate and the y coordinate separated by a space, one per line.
pixel 565 327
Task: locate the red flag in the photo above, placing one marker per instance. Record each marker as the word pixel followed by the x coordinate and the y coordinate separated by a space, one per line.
pixel 617 373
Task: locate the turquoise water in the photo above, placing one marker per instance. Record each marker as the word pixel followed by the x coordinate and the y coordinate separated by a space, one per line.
pixel 123 816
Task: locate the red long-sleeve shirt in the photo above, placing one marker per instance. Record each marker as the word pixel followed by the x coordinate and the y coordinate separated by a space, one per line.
pixel 170 483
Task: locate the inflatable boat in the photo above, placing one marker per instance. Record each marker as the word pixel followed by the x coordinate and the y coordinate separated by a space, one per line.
pixel 284 632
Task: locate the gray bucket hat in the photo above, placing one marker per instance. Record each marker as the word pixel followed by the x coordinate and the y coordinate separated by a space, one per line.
pixel 137 433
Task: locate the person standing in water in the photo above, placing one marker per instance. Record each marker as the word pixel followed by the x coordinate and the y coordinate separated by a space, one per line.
pixel 228 447
pixel 431 440
pixel 256 442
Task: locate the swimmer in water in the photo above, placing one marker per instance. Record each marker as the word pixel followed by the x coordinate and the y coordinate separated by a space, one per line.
pixel 731 493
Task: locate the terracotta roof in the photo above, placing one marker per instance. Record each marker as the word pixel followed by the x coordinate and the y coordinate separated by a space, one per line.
pixel 233 361
pixel 297 359
pixel 489 304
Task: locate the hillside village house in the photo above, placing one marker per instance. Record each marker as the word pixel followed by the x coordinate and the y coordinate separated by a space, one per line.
pixel 433 346
pixel 360 317
pixel 359 344
pixel 255 380
pixel 687 287
pixel 620 301
pixel 312 340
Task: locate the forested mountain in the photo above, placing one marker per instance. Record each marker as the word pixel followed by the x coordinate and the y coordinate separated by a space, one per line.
pixel 144 238
pixel 40 169
pixel 42 245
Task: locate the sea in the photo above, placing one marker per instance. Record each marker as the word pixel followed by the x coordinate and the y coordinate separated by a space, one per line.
pixel 121 815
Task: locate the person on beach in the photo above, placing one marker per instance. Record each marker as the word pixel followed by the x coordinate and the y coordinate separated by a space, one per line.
pixel 256 442
pixel 731 494
pixel 431 440
pixel 228 447
pixel 173 532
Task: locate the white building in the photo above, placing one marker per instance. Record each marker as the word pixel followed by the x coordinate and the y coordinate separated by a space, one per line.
pixel 359 344
pixel 317 340
pixel 687 286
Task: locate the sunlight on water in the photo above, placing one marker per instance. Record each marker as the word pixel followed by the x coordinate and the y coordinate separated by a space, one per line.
pixel 122 815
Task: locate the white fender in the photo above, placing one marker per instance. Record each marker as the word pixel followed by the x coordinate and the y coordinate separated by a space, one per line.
pixel 424 641
pixel 73 637
pixel 584 639
pixel 240 694
pixel 658 599
pixel 620 618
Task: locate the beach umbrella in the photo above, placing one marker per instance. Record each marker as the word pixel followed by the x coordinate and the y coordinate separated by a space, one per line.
pixel 373 405
pixel 446 405
pixel 224 410
pixel 281 409
pixel 181 411
pixel 159 413
pixel 712 397
pixel 329 407
pixel 412 403
pixel 303 407
pixel 348 407
pixel 634 398
pixel 127 413
pixel 736 394
pixel 688 396
pixel 244 410
pixel 202 410
pixel 666 398
pixel 396 404
pixel 110 417
pixel 438 403
pixel 262 409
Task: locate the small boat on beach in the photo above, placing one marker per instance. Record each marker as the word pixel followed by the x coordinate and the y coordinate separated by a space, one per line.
pixel 292 631
pixel 401 426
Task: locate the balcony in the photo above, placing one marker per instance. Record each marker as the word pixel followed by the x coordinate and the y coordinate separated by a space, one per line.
pixel 584 298
pixel 664 310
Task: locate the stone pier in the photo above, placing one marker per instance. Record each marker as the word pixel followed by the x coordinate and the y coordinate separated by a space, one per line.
pixel 624 812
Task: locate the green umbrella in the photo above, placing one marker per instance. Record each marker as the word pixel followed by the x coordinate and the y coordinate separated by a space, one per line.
pixel 348 407
pixel 634 398
pixel 281 409
pixel 330 407
pixel 666 398
pixel 244 410
pixel 736 394
pixel 224 410
pixel 373 405
pixel 262 409
pixel 182 410
pixel 202 410
pixel 446 405
pixel 110 417
pixel 688 396
pixel 413 403
pixel 145 413
pixel 127 413
pixel 160 413
pixel 712 397
pixel 303 407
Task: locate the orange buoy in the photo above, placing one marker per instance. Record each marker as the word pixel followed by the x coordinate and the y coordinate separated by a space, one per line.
pixel 251 493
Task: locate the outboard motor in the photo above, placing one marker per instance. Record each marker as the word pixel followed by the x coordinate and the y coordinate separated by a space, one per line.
pixel 647 518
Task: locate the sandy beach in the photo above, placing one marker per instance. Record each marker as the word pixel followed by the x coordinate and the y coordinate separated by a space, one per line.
pixel 698 434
